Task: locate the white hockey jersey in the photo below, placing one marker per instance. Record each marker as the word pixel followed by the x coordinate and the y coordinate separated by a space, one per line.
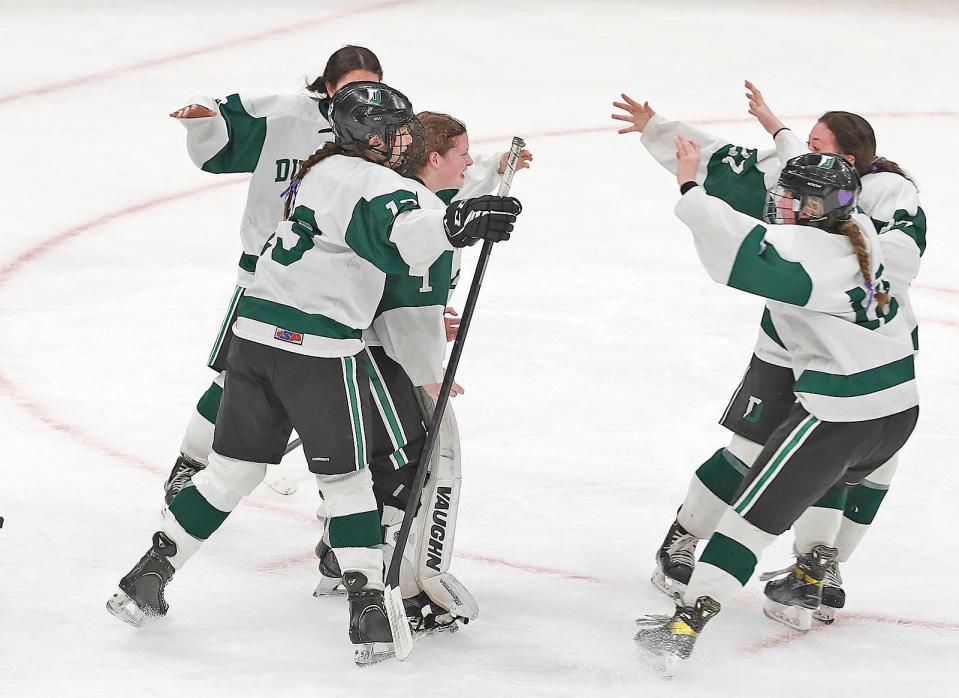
pixel 266 136
pixel 740 176
pixel 320 278
pixel 852 361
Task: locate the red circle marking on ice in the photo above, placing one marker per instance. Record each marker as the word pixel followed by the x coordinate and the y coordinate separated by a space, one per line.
pixel 223 45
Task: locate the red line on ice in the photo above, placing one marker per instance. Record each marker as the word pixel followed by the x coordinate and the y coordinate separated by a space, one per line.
pixel 192 53
pixel 15 394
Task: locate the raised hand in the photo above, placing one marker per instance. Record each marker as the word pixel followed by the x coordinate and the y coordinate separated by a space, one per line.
pixel 687 158
pixel 525 158
pixel 761 110
pixel 194 111
pixel 636 114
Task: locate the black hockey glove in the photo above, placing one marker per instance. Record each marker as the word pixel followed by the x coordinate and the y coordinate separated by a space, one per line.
pixel 481 218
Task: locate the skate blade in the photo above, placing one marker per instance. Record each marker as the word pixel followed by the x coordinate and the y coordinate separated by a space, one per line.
pixel 373 653
pixel 437 630
pixel 672 588
pixel 666 664
pixel 825 615
pixel 795 617
pixel 329 586
pixel 123 607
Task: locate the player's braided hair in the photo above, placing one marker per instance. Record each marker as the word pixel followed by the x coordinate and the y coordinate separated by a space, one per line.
pixel 854 136
pixel 858 241
pixel 343 61
pixel 323 153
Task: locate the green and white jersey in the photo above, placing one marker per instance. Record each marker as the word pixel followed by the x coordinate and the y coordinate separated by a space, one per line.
pixel 740 176
pixel 409 320
pixel 266 136
pixel 321 277
pixel 851 360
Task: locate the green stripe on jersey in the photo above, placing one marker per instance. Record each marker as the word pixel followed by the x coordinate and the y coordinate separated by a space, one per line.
pixel 246 135
pixel 368 232
pixel 287 318
pixel 863 383
pixel 446 195
pixel 759 269
pixel 248 262
pixel 730 556
pixel 405 291
pixel 913 226
pixel 767 326
pixel 732 176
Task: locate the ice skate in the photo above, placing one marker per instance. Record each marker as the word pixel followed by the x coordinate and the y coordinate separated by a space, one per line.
pixel 675 560
pixel 184 469
pixel 369 626
pixel 426 618
pixel 141 591
pixel 833 595
pixel 791 599
pixel 666 641
pixel 331 582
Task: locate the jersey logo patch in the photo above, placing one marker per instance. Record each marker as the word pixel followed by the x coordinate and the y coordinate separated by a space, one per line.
pixel 288 336
pixel 754 410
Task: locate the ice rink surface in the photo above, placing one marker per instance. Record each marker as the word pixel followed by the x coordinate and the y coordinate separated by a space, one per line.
pixel 600 357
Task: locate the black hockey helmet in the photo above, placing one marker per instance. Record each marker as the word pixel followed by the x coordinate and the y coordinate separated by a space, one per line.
pixel 818 189
pixel 361 110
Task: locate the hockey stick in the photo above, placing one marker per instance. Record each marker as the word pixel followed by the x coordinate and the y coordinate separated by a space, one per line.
pixel 395 611
pixel 293 445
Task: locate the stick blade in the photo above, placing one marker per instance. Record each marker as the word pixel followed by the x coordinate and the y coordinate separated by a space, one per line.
pixel 399 624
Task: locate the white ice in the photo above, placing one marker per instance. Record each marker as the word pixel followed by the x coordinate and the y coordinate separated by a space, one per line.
pixel 599 361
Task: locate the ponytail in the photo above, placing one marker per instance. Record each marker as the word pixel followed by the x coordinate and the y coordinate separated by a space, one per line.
pixel 328 150
pixel 858 241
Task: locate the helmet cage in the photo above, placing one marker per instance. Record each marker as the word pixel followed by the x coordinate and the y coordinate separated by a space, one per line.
pixel 363 110
pixel 814 189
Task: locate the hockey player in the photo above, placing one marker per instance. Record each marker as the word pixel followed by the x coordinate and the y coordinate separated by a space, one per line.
pixel 295 360
pixel 405 355
pixel 819 265
pixel 740 176
pixel 267 137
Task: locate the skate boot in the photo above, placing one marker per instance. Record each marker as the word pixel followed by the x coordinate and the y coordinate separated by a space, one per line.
pixel 184 469
pixel 331 581
pixel 141 591
pixel 833 595
pixel 426 618
pixel 675 560
pixel 667 641
pixel 369 626
pixel 791 599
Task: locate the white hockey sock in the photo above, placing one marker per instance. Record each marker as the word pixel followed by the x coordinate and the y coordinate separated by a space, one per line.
pixel 816 525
